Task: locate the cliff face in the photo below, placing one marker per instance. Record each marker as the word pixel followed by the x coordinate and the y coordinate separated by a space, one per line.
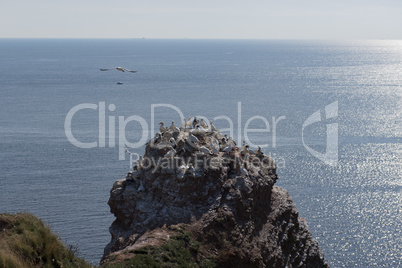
pixel 221 195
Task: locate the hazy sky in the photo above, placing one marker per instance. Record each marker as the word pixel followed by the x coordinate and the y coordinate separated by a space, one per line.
pixel 259 19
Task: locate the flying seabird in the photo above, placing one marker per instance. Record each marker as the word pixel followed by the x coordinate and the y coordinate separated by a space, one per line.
pixel 121 69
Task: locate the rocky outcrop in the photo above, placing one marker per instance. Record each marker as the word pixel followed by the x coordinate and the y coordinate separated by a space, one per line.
pixel 221 194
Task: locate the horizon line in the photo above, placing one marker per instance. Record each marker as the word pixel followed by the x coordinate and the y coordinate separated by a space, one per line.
pixel 195 38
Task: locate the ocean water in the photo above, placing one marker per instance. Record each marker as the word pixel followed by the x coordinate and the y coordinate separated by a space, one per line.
pixel 352 207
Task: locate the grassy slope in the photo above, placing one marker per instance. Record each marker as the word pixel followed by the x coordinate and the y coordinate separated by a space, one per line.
pixel 182 251
pixel 25 241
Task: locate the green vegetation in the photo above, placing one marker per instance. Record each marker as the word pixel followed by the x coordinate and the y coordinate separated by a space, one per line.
pixel 25 241
pixel 177 252
pixel 180 251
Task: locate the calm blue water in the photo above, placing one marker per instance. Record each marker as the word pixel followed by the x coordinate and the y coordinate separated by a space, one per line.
pixel 352 209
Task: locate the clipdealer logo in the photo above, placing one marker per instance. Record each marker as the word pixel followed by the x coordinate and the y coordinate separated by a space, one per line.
pixel 330 156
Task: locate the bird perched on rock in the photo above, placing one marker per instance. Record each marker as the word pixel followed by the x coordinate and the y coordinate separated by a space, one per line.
pixel 191 169
pixel 218 135
pixel 184 124
pixel 245 150
pixel 259 152
pixel 193 138
pixel 172 126
pixel 171 153
pixel 228 148
pixel 155 139
pixel 205 150
pixel 182 170
pixel 189 146
pixel 162 127
pixel 214 145
pixel 243 171
pixel 199 130
pixel 189 123
pixel 195 122
pixel 213 129
pixel 230 140
pixel 172 142
pixel 203 124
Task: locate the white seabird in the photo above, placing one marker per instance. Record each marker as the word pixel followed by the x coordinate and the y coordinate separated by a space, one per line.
pixel 189 123
pixel 172 126
pixel 212 126
pixel 243 171
pixel 155 139
pixel 172 142
pixel 205 150
pixel 171 153
pixel 219 136
pixel 121 69
pixel 199 130
pixel 203 124
pixel 214 147
pixel 191 169
pixel 184 124
pixel 228 149
pixel 193 138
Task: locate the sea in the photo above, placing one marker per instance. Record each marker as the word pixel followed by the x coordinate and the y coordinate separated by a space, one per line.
pixel 328 112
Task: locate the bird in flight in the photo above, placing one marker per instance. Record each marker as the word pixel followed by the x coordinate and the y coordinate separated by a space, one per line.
pixel 121 69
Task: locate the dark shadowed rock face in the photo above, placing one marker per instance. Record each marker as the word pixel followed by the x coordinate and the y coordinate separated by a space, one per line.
pixel 224 195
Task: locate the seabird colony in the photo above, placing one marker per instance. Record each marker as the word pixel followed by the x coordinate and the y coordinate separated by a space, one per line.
pixel 195 138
